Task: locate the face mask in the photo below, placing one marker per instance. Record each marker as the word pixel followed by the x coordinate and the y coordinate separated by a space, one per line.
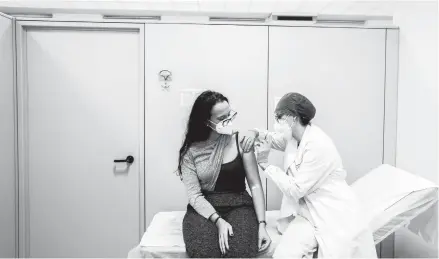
pixel 224 127
pixel 278 127
pixel 283 128
pixel 225 130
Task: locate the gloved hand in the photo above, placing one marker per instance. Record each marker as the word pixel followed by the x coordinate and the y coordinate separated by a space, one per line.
pixel 247 139
pixel 263 148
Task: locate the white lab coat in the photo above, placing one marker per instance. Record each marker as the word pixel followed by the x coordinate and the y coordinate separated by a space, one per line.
pixel 313 185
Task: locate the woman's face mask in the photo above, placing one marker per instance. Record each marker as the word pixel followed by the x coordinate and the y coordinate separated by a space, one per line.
pixel 225 126
pixel 225 130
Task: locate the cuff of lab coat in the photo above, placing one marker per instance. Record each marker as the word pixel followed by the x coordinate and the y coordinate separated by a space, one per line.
pixel 271 171
pixel 275 173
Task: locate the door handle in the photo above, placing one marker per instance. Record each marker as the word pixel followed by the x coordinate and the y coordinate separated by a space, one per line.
pixel 129 160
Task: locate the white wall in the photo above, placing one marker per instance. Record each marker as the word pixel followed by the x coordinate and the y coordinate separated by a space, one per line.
pixel 417 88
pixel 417 137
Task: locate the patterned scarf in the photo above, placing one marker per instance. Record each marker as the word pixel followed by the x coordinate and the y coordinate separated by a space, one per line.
pixel 209 156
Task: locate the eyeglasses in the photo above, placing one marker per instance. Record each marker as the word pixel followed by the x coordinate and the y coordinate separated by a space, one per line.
pixel 280 118
pixel 227 120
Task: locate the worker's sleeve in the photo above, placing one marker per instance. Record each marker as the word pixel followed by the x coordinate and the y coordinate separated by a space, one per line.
pixel 303 176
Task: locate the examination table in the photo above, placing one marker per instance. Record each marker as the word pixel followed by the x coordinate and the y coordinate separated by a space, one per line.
pixel 391 197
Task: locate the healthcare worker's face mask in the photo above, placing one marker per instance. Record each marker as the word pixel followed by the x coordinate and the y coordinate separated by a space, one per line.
pixel 283 127
pixel 225 126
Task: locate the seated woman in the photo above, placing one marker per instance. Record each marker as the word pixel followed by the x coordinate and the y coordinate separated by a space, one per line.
pixel 222 220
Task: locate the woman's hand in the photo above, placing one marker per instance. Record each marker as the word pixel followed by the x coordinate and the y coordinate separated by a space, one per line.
pixel 264 240
pixel 263 148
pixel 224 230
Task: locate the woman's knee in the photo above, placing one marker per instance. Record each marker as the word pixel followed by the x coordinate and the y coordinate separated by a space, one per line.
pixel 203 252
pixel 242 245
pixel 242 251
pixel 200 237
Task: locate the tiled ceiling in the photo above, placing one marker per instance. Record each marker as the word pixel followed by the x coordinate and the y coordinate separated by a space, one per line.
pixel 302 6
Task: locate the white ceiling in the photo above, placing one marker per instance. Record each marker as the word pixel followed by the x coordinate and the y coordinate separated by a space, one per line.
pixel 290 6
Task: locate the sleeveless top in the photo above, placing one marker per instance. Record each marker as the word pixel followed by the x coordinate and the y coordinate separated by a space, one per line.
pixel 232 175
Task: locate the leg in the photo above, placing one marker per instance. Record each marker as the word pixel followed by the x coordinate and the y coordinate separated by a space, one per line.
pixel 298 240
pixel 244 242
pixel 200 236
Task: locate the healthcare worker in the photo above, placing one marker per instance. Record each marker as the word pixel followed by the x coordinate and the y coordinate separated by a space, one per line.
pixel 319 210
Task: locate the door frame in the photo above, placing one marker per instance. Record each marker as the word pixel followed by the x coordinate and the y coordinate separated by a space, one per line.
pixel 15 150
pixel 387 246
pixel 21 29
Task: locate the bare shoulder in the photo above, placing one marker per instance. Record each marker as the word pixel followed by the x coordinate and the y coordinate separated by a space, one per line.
pixel 237 141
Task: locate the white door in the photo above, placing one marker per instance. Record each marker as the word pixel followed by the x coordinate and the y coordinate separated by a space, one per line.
pixel 342 71
pixel 225 58
pixel 7 140
pixel 80 108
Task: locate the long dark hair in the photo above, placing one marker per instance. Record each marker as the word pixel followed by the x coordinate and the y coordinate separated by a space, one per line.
pixel 196 129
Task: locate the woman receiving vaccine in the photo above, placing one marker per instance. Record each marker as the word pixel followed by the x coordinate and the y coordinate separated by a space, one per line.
pixel 222 219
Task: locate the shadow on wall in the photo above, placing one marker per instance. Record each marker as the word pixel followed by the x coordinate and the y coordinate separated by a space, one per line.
pixel 417 149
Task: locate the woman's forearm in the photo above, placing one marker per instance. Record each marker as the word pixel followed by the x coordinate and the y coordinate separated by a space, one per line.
pixel 258 201
pixel 255 184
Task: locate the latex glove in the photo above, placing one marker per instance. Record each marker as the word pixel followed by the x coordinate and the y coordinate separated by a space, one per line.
pixel 263 148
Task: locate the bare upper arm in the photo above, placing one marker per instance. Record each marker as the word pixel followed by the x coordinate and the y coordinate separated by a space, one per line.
pixel 239 145
pixel 251 169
